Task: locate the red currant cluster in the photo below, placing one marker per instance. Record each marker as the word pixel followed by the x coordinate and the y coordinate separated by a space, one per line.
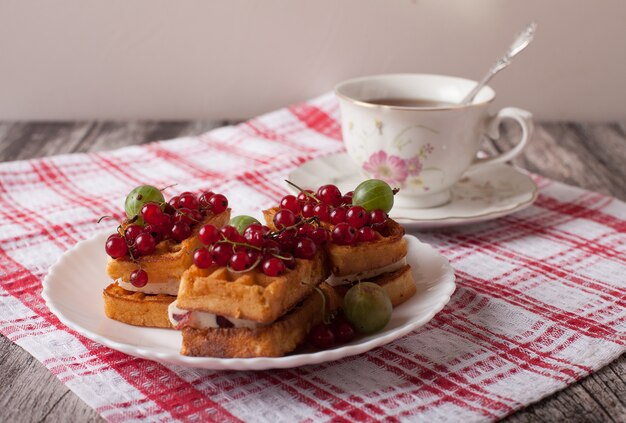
pixel 351 223
pixel 273 251
pixel 327 335
pixel 157 222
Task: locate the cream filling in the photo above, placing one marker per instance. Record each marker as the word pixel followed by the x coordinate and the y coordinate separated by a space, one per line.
pixel 348 279
pixel 168 288
pixel 204 320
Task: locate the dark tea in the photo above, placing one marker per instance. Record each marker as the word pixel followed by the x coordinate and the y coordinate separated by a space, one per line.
pixel 409 102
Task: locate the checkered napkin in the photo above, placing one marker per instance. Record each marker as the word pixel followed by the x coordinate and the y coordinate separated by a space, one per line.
pixel 540 301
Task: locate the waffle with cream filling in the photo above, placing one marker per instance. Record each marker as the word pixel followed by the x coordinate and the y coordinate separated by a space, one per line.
pixel 263 340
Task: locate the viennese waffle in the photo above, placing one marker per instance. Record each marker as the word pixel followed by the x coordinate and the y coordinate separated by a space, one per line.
pixel 360 262
pixel 266 340
pixel 165 266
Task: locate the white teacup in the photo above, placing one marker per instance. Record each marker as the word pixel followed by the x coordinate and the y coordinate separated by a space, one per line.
pixel 423 150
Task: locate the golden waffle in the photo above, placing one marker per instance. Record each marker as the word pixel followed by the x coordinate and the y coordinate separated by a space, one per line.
pixel 273 340
pixel 350 259
pixel 250 295
pixel 170 258
pixel 399 285
pixel 136 308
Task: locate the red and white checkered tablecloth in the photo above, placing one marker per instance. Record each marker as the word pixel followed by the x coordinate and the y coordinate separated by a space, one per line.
pixel 540 301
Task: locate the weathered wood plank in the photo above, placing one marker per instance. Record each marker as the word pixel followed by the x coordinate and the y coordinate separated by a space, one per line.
pixel 590 156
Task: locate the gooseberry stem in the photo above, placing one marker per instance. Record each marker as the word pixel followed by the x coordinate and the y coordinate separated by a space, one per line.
pixel 326 317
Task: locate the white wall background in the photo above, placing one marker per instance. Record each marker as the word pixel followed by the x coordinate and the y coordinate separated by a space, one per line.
pixel 188 59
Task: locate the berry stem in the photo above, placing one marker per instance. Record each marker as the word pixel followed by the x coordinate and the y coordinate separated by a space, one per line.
pixel 319 291
pixel 105 217
pixel 308 194
pixel 169 186
pixel 313 219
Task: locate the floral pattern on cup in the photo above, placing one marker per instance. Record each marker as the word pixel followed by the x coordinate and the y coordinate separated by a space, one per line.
pixel 395 170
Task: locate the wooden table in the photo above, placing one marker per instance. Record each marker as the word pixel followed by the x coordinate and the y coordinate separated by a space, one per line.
pixel 592 156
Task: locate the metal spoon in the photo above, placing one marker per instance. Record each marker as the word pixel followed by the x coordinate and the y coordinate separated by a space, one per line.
pixel 521 41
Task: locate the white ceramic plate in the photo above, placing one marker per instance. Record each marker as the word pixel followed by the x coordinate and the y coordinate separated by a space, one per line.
pixel 486 193
pixel 73 292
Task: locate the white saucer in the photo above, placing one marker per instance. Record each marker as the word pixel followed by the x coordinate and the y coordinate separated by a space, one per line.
pixel 486 193
pixel 73 292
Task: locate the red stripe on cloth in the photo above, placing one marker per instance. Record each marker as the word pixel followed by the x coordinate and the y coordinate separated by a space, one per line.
pixel 592 214
pixel 565 318
pixel 457 316
pixel 180 161
pixel 164 387
pixel 459 397
pixel 26 218
pixel 323 393
pixel 236 148
pixel 317 120
pixel 58 182
pixel 257 128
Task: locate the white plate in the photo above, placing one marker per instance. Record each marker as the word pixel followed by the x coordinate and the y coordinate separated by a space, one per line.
pixel 486 193
pixel 73 292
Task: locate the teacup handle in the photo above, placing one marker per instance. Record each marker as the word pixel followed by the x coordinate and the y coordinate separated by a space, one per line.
pixel 523 118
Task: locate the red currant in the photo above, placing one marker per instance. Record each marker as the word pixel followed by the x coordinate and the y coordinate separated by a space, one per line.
pixel 322 337
pixel 131 232
pixel 344 234
pixel 320 236
pixel 322 211
pixel 221 253
pixel 116 246
pixel 254 238
pixel 378 217
pixel 304 197
pixel 202 258
pixel 305 229
pixel 139 278
pixel 290 202
pixel 329 194
pixel 308 209
pixel 218 203
pixel 239 261
pixel 357 217
pixel 284 218
pixel 271 247
pixel 305 249
pixel 273 266
pixel 231 233
pixel 144 244
pixel 180 231
pixel 343 330
pixel 156 231
pixel 253 255
pixel 174 202
pixel 209 234
pixel 188 201
pixel 203 200
pixel 338 215
pixel 151 213
pixel 289 260
pixel 366 234
pixel 196 216
pixel 347 198
pixel 287 240
pixel 183 215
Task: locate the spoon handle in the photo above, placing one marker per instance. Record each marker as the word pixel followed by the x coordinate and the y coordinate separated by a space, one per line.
pixel 520 43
